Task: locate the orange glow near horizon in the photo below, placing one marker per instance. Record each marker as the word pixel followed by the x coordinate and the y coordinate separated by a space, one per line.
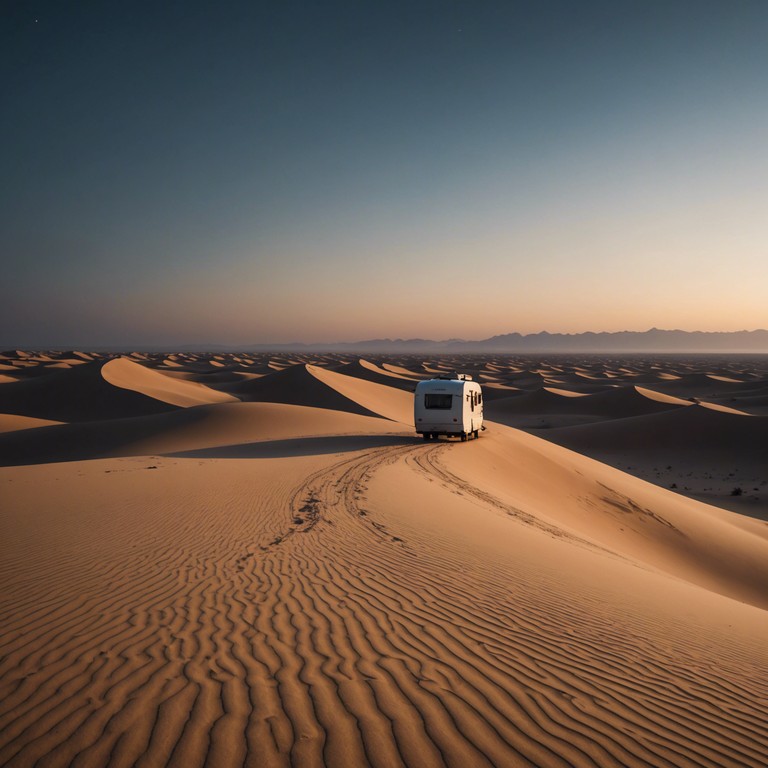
pixel 576 181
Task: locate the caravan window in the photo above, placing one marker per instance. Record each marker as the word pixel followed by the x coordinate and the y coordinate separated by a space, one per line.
pixel 438 401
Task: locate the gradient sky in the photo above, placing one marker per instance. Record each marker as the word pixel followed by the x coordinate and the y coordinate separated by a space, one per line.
pixel 328 171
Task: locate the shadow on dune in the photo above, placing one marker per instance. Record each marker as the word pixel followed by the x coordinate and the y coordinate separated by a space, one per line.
pixel 95 439
pixel 298 446
pixel 79 394
pixel 170 434
pixel 294 386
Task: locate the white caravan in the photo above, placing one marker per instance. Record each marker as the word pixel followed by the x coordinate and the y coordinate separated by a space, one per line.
pixel 448 405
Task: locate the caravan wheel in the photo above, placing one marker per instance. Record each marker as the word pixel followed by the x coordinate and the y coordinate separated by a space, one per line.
pixel 463 437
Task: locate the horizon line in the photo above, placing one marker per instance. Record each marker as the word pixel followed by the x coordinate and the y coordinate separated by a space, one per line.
pixel 318 345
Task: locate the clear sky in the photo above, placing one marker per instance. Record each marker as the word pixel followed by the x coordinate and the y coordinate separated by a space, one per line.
pixel 241 172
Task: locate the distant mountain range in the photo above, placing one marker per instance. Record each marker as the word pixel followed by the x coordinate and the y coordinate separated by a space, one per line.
pixel 653 340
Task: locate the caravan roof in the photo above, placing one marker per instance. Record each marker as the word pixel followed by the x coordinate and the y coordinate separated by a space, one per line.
pixel 454 375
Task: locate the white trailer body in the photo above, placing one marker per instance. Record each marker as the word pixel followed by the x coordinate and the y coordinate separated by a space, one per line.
pixel 448 406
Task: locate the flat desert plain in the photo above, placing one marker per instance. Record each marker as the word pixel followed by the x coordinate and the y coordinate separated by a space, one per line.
pixel 233 559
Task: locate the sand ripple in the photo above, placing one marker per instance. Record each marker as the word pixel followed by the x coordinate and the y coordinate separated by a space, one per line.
pixel 259 620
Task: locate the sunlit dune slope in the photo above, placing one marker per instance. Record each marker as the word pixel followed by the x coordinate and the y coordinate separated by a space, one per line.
pixel 78 394
pixel 407 372
pixel 214 378
pixel 298 579
pixel 584 498
pixel 392 375
pixel 497 602
pixel 386 401
pixel 12 423
pixel 295 385
pixel 362 369
pixel 126 374
pixel 102 390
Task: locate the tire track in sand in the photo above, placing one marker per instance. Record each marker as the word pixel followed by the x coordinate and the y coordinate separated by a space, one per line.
pixel 300 627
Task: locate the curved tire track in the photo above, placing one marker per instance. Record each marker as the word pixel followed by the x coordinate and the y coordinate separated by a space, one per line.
pixel 300 627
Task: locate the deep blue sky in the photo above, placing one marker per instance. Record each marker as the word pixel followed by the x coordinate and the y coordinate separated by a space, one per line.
pixel 249 172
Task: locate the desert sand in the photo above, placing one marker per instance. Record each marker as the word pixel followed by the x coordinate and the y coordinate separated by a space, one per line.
pixel 241 559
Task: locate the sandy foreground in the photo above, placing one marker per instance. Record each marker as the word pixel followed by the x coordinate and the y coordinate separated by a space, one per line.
pixel 235 560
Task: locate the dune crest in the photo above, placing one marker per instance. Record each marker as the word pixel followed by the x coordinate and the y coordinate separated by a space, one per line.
pixel 376 603
pixel 388 402
pixel 660 397
pixel 289 576
pixel 12 423
pixel 126 374
pixel 194 428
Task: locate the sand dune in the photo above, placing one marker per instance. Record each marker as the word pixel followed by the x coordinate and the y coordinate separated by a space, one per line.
pixel 12 423
pixel 385 401
pixel 183 430
pixel 527 381
pixel 534 409
pixel 620 513
pixel 79 394
pixel 399 369
pixel 720 458
pixel 722 408
pixel 36 370
pixel 688 430
pixel 390 377
pixel 500 387
pixel 564 392
pixel 102 390
pixel 552 407
pixel 660 397
pixel 126 374
pixel 754 401
pixel 301 582
pixel 705 385
pixel 212 612
pixel 324 388
pixel 362 369
pixel 295 385
pixel 215 378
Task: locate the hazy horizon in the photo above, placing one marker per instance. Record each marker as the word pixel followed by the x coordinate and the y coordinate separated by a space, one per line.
pixel 214 345
pixel 253 173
